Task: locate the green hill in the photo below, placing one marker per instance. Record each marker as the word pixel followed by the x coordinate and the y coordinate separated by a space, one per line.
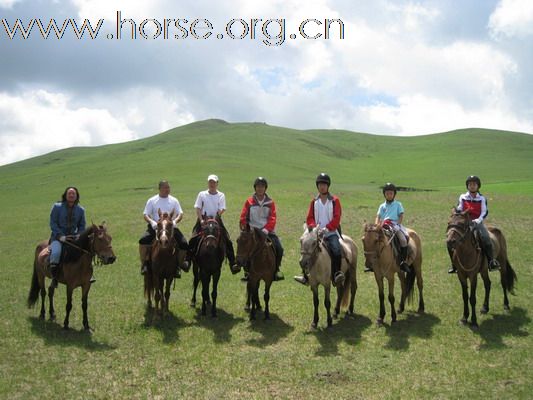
pixel 189 356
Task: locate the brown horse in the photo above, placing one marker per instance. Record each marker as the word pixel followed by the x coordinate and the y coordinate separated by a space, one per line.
pixel 76 269
pixel 254 250
pixel 470 260
pixel 379 255
pixel 208 263
pixel 316 263
pixel 164 259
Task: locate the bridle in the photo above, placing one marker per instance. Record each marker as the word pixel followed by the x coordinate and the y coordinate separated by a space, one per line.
pixel 313 254
pixel 463 231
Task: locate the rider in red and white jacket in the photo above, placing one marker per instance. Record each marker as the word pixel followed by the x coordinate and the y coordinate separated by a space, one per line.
pixel 476 204
pixel 259 211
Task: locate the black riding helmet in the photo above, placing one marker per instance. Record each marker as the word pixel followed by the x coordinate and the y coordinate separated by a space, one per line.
pixel 259 180
pixel 389 186
pixel 473 178
pixel 323 178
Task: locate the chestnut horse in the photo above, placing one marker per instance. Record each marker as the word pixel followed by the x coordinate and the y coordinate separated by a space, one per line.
pixel 316 263
pixel 470 260
pixel 163 268
pixel 208 263
pixel 379 255
pixel 76 269
pixel 254 250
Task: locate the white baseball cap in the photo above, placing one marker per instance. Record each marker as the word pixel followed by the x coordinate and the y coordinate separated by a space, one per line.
pixel 212 178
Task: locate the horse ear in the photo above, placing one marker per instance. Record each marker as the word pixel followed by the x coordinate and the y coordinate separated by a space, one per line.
pixel 159 212
pixel 172 215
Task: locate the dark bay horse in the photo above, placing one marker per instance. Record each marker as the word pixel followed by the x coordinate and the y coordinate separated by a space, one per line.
pixel 470 260
pixel 316 263
pixel 379 255
pixel 76 269
pixel 208 263
pixel 164 261
pixel 254 250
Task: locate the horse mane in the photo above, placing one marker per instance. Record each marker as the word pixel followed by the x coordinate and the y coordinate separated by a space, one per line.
pixel 72 254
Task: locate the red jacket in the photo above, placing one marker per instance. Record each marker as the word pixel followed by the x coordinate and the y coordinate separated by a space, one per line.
pixel 335 217
pixel 259 216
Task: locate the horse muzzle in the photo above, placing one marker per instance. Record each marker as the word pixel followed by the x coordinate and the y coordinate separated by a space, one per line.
pixel 108 260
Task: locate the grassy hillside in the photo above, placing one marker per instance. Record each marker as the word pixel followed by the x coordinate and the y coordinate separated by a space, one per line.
pixel 189 356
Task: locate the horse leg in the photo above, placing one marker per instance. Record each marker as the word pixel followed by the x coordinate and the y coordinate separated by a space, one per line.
pixel 248 300
pixel 252 291
pixel 487 285
pixel 391 298
pixel 315 305
pixel 205 291
pixel 381 295
pixel 51 310
pixel 466 311
pixel 168 284
pixel 403 292
pixel 84 306
pixel 68 307
pixel 327 304
pixel 473 286
pixel 503 278
pixel 196 280
pixel 43 299
pixel 340 293
pixel 266 297
pixel 214 293
pixel 353 290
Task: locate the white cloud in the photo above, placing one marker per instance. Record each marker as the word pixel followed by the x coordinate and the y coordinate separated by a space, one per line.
pixel 41 121
pixel 512 18
pixel 414 114
pixel 8 3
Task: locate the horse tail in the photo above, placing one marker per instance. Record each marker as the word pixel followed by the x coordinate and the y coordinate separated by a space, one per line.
pixel 35 288
pixel 509 278
pixel 346 290
pixel 148 285
pixel 410 283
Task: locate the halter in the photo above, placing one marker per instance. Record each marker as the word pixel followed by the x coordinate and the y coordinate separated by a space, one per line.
pixel 97 259
pixel 313 254
pixel 382 247
pixel 463 232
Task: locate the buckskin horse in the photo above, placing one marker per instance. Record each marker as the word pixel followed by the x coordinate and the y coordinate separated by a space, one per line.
pixel 208 263
pixel 316 263
pixel 254 250
pixel 164 260
pixel 379 255
pixel 469 260
pixel 76 269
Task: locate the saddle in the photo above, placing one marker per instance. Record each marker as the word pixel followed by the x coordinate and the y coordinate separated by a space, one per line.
pixel 344 255
pixel 395 243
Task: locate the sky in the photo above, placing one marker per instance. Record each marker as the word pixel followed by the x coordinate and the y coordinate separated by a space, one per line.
pixel 401 68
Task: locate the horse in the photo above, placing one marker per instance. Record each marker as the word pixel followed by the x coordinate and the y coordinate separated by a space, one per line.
pixel 469 261
pixel 379 256
pixel 164 259
pixel 208 263
pixel 255 251
pixel 76 269
pixel 316 263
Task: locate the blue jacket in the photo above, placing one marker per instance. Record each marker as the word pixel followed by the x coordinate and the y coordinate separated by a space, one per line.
pixel 59 220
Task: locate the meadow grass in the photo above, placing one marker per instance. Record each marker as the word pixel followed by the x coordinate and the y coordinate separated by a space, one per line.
pixel 190 356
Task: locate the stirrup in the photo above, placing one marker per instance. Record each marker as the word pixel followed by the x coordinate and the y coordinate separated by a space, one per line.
pixel 494 265
pixel 452 270
pixel 302 279
pixel 368 269
pixel 339 277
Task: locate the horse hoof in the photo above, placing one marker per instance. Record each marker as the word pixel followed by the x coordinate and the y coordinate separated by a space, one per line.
pixel 420 311
pixel 41 317
pixel 193 304
pixel 379 321
pixel 506 307
pixel 247 308
pixel 313 325
pixel 66 328
pixel 400 310
pixel 393 321
pixel 484 310
pixel 463 321
pixel 52 317
pixel 474 326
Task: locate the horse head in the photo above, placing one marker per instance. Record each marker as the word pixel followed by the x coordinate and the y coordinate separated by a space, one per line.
pixel 211 232
pixel 372 243
pixel 458 228
pixel 246 244
pixel 310 247
pixel 164 233
pixel 102 244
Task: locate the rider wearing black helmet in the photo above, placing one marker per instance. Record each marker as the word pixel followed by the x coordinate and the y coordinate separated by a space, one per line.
pixel 391 213
pixel 476 204
pixel 325 211
pixel 259 211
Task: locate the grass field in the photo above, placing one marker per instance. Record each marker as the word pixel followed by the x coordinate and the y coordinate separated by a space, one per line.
pixel 190 356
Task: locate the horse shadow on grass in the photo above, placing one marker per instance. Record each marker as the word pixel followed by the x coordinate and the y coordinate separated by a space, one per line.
pixel 414 324
pixel 271 330
pixel 493 330
pixel 54 334
pixel 348 329
pixel 168 325
pixel 220 325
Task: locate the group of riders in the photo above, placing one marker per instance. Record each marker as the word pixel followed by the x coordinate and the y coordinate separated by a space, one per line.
pixel 67 221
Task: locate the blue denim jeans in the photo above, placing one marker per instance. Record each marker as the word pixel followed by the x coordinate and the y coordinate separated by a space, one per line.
pixel 55 251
